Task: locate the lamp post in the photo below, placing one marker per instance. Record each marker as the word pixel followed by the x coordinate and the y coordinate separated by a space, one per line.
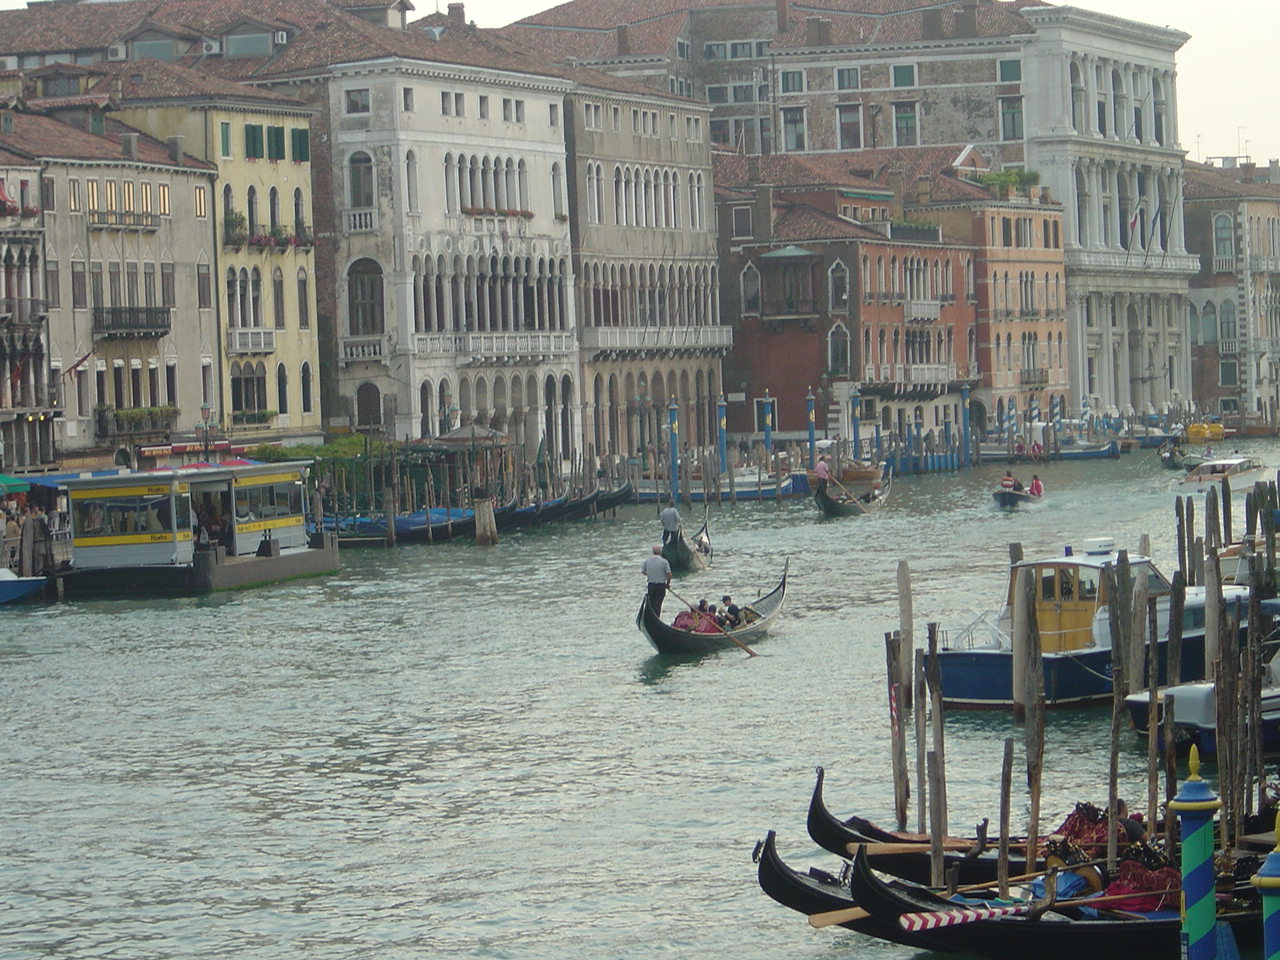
pixel 722 430
pixel 206 429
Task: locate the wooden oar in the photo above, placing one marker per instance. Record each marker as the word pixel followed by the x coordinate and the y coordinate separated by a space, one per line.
pixel 852 499
pixel 831 918
pixel 880 849
pixel 750 652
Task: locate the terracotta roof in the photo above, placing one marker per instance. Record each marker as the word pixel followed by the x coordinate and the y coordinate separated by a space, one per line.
pixel 786 170
pixel 1205 182
pixel 158 80
pixel 38 136
pixel 653 36
pixel 799 222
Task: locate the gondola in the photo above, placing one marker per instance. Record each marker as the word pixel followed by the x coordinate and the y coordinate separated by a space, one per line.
pixel 689 554
pixel 581 507
pixel 844 504
pixel 616 498
pixel 1065 934
pixel 532 513
pixel 1012 499
pixel 667 639
pixel 978 865
pixel 814 892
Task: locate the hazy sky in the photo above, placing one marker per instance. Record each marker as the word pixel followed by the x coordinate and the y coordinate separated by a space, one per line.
pixel 1222 91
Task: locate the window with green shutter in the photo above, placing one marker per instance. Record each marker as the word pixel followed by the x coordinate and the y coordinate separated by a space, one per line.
pixel 224 133
pixel 301 144
pixel 275 143
pixel 253 140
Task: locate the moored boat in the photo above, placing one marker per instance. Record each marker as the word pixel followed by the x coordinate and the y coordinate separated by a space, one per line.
pixel 760 615
pixel 1073 620
pixel 14 588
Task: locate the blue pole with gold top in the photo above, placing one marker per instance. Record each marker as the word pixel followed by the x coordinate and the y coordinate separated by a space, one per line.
pixel 813 428
pixel 965 445
pixel 1195 806
pixel 1267 880
pixel 722 437
pixel 768 422
pixel 673 421
pixel 855 399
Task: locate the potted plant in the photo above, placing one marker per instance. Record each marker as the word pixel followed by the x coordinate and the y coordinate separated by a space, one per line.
pixel 235 229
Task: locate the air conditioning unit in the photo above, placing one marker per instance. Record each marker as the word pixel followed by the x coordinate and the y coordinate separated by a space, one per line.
pixel 282 37
pixel 8 63
pixel 211 46
pixel 117 51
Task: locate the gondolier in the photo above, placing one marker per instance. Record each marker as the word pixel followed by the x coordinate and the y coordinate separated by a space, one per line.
pixel 670 518
pixel 823 471
pixel 658 572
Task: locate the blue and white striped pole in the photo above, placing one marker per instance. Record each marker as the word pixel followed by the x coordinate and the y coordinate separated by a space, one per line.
pixel 1195 806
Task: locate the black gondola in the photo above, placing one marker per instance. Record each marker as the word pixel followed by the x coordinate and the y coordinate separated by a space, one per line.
pixel 835 835
pixel 845 504
pixel 1070 935
pixel 616 498
pixel 685 553
pixel 814 892
pixel 667 639
pixel 581 507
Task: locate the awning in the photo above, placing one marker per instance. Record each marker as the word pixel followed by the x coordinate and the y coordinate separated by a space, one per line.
pixel 58 479
pixel 790 251
pixel 10 484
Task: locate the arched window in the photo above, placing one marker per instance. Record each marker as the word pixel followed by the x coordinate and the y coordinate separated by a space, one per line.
pixel 306 387
pixel 411 181
pixel 750 289
pixel 252 211
pixel 364 298
pixel 273 208
pixel 304 300
pixel 557 191
pixel 839 287
pixel 233 300
pixel 228 202
pixel 277 297
pixel 1227 320
pixel 1209 323
pixel 255 297
pixel 450 184
pixel 522 178
pixel 361 178
pixel 282 389
pixel 838 350
pixel 1193 322
pixel 299 214
pixel 1224 244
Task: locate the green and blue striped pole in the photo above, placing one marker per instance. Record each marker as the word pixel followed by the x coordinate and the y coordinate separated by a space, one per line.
pixel 1195 806
pixel 1267 880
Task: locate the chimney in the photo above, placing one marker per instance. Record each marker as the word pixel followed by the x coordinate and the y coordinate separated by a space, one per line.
pixel 781 8
pixel 457 13
pixel 762 215
pixel 1045 195
pixel 1248 172
pixel 624 41
pixel 924 189
pixel 175 148
pixel 967 19
pixel 129 145
pixel 817 32
pixel 753 169
pixel 932 24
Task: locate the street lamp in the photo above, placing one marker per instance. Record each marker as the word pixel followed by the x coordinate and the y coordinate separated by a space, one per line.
pixel 206 429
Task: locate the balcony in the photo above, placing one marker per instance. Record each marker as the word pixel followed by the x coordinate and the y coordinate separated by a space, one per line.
pixel 934 373
pixel 642 340
pixel 1224 264
pixel 134 423
pixel 367 348
pixel 361 221
pixel 1228 346
pixel 923 311
pixel 251 340
pixel 22 310
pixel 123 220
pixel 498 347
pixel 112 322
pixel 1034 376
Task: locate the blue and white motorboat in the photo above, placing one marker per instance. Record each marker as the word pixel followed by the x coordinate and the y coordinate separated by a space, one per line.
pixel 1075 635
pixel 14 588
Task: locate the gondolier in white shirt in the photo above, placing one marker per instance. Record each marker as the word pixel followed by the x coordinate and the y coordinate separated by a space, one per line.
pixel 658 572
pixel 823 472
pixel 670 518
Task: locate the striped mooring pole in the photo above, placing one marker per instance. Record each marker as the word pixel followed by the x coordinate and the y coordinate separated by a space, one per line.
pixel 1195 805
pixel 1267 880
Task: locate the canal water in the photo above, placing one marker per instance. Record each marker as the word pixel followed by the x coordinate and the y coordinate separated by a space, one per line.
pixel 454 751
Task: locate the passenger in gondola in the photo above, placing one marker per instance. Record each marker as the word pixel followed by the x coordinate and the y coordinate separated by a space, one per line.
pixel 1007 482
pixel 685 620
pixel 1134 831
pixel 708 622
pixel 1036 489
pixel 732 615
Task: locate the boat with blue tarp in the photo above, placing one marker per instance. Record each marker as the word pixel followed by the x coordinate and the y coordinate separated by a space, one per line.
pixel 1072 615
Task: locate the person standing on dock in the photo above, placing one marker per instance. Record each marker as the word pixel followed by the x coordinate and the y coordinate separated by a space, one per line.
pixel 658 572
pixel 670 518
